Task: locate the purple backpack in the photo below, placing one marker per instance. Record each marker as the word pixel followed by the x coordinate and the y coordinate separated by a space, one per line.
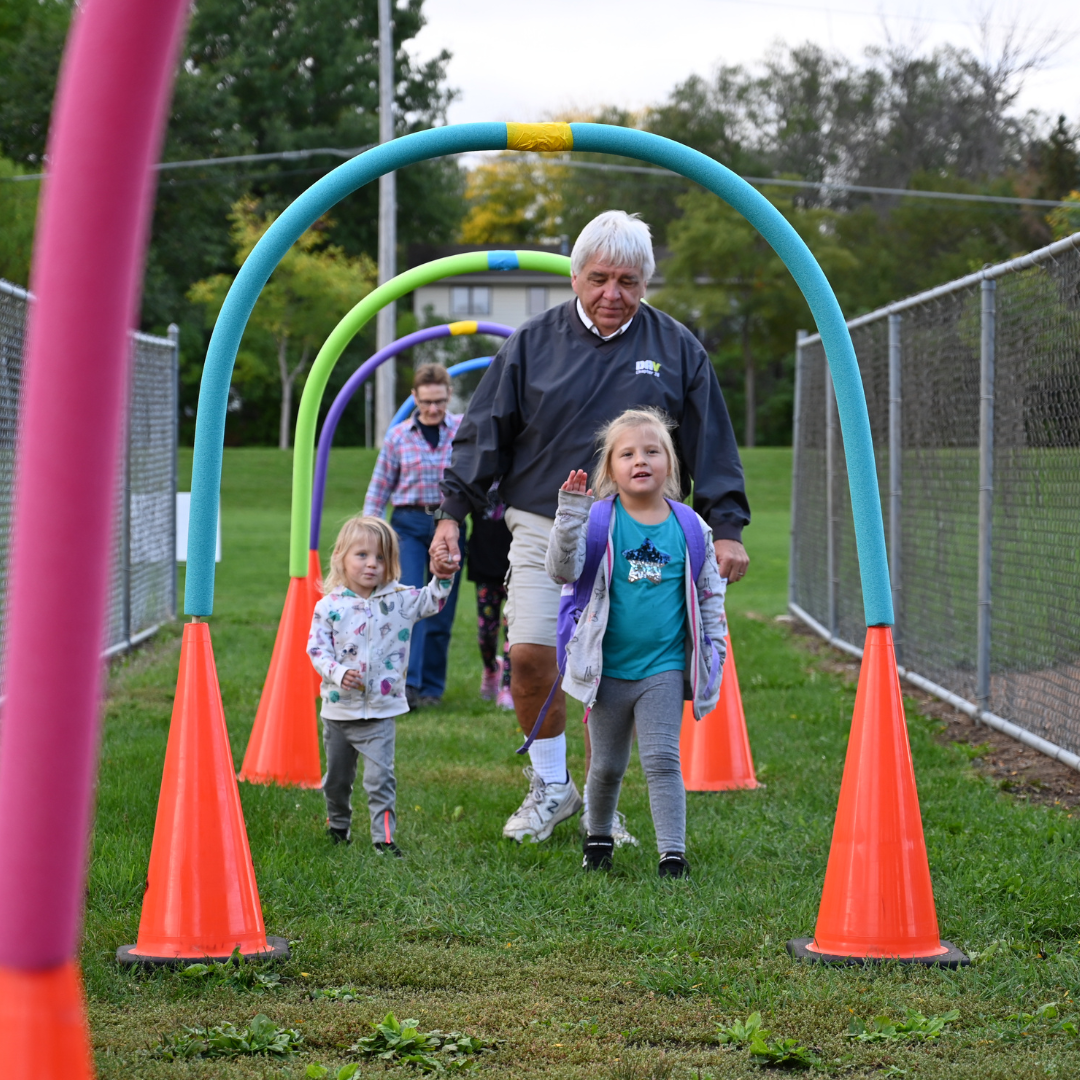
pixel 573 602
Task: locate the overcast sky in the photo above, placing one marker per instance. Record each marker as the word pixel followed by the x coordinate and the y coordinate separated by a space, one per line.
pixel 528 59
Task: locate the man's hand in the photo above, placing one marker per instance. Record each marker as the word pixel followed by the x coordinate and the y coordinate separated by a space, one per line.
pixel 444 551
pixel 577 482
pixel 351 680
pixel 731 558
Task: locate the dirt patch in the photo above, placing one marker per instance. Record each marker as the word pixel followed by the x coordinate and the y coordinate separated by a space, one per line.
pixel 1018 769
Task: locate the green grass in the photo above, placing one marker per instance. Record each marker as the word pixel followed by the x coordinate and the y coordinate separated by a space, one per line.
pixel 598 976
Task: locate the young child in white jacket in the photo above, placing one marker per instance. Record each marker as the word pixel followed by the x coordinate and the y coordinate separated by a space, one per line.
pixel 649 635
pixel 360 637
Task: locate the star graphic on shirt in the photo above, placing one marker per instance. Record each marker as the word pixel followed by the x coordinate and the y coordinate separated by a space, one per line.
pixel 646 562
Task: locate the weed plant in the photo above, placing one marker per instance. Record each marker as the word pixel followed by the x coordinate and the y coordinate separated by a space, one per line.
pixel 597 975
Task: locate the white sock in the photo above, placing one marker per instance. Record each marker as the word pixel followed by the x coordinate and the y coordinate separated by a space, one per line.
pixel 548 757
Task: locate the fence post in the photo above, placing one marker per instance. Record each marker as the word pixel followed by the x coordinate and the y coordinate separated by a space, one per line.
pixel 125 526
pixel 174 337
pixel 895 474
pixel 986 488
pixel 830 500
pixel 800 336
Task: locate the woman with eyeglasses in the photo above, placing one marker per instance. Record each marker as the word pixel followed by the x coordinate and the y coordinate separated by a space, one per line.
pixel 411 463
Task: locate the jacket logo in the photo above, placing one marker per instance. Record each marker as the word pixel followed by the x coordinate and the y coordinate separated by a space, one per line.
pixel 647 367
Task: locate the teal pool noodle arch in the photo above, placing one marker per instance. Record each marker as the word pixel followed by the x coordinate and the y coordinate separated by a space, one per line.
pixel 593 138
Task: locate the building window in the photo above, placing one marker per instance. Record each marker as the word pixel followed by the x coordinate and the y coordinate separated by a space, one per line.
pixel 536 299
pixel 470 300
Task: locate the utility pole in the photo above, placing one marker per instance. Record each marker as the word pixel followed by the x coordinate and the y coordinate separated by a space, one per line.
pixel 386 327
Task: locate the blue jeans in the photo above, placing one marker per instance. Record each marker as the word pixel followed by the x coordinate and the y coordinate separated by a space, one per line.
pixel 431 637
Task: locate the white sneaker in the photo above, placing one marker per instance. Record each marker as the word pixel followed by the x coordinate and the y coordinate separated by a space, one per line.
pixel 619 832
pixel 544 807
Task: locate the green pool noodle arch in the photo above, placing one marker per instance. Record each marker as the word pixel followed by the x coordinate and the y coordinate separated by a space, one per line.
pixel 355 320
pixel 558 137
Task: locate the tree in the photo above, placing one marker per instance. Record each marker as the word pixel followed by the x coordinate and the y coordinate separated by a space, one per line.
pixel 512 200
pixel 312 287
pixel 18 209
pixel 725 279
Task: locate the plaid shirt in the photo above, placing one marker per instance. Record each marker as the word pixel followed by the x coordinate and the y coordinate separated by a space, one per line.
pixel 409 469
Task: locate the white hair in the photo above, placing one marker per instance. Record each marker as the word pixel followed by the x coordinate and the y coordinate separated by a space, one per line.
pixel 618 238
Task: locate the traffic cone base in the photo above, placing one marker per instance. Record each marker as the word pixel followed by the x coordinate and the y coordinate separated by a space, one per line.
pixel 715 750
pixel 877 902
pixel 43 1023
pixel 284 744
pixel 201 895
pixel 277 948
pixel 949 956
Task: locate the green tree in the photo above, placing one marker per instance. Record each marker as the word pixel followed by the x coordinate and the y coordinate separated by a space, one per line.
pixel 312 287
pixel 725 279
pixel 18 209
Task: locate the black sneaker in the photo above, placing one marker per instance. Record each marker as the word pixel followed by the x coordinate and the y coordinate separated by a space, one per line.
pixel 412 697
pixel 388 847
pixel 598 851
pixel 673 864
pixel 339 836
pixel 428 701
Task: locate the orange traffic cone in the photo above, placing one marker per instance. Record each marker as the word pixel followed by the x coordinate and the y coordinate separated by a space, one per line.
pixel 201 896
pixel 715 750
pixel 878 901
pixel 43 1023
pixel 314 579
pixel 284 744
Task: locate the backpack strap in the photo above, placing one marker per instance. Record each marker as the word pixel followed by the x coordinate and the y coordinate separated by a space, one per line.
pixel 695 542
pixel 695 550
pixel 596 539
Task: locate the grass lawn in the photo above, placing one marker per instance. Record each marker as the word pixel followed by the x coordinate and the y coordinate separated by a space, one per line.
pixel 578 976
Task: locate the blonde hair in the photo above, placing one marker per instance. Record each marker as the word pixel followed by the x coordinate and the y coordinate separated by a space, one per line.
pixel 603 482
pixel 351 531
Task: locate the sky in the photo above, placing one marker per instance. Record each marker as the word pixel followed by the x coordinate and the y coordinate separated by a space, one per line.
pixel 528 60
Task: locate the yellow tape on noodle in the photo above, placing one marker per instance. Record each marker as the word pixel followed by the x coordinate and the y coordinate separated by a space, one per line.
pixel 462 328
pixel 539 137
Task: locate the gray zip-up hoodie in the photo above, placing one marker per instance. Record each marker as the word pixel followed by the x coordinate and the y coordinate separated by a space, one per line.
pixel 374 637
pixel 585 650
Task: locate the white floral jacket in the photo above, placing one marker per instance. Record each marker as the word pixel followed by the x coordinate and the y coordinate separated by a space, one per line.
pixel 371 636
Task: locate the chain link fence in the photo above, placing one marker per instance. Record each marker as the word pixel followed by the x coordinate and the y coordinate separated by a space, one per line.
pixel 973 391
pixel 143 578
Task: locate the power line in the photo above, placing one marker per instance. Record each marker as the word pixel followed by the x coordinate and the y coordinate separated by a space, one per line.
pixel 757 181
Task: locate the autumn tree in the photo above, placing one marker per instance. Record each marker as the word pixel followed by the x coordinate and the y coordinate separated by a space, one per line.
pixel 314 285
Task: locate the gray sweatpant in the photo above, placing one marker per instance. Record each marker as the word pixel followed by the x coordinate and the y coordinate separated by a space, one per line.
pixel 345 740
pixel 655 705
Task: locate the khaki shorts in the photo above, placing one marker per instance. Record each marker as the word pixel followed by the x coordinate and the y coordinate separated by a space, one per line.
pixel 532 598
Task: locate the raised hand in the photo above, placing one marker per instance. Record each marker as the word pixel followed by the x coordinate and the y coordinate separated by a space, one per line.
pixel 577 482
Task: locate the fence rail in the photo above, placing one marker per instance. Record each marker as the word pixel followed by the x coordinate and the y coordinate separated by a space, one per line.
pixel 143 576
pixel 973 391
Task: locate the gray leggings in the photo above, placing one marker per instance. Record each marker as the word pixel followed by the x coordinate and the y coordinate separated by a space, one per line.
pixel 655 705
pixel 345 741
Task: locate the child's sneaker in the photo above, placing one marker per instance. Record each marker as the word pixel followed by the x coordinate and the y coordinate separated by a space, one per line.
pixel 388 847
pixel 489 682
pixel 338 836
pixel 619 832
pixel 598 851
pixel 673 864
pixel 504 699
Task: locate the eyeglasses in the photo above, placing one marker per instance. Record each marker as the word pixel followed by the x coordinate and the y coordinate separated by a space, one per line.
pixel 437 404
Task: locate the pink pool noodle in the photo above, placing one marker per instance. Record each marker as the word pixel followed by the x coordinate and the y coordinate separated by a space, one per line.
pixel 106 132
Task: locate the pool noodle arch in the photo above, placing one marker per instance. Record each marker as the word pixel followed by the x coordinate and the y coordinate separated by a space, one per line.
pixel 357 379
pixel 465 138
pixel 408 406
pixel 352 322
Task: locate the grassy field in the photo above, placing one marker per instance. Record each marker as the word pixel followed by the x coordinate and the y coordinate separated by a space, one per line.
pixel 617 976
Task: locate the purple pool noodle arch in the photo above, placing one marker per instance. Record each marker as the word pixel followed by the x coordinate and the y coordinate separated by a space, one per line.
pixel 106 131
pixel 345 395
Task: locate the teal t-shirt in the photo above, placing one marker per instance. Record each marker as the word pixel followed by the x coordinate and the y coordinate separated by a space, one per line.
pixel 646 630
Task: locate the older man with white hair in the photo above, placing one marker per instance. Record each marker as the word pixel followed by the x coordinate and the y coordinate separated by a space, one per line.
pixel 562 376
